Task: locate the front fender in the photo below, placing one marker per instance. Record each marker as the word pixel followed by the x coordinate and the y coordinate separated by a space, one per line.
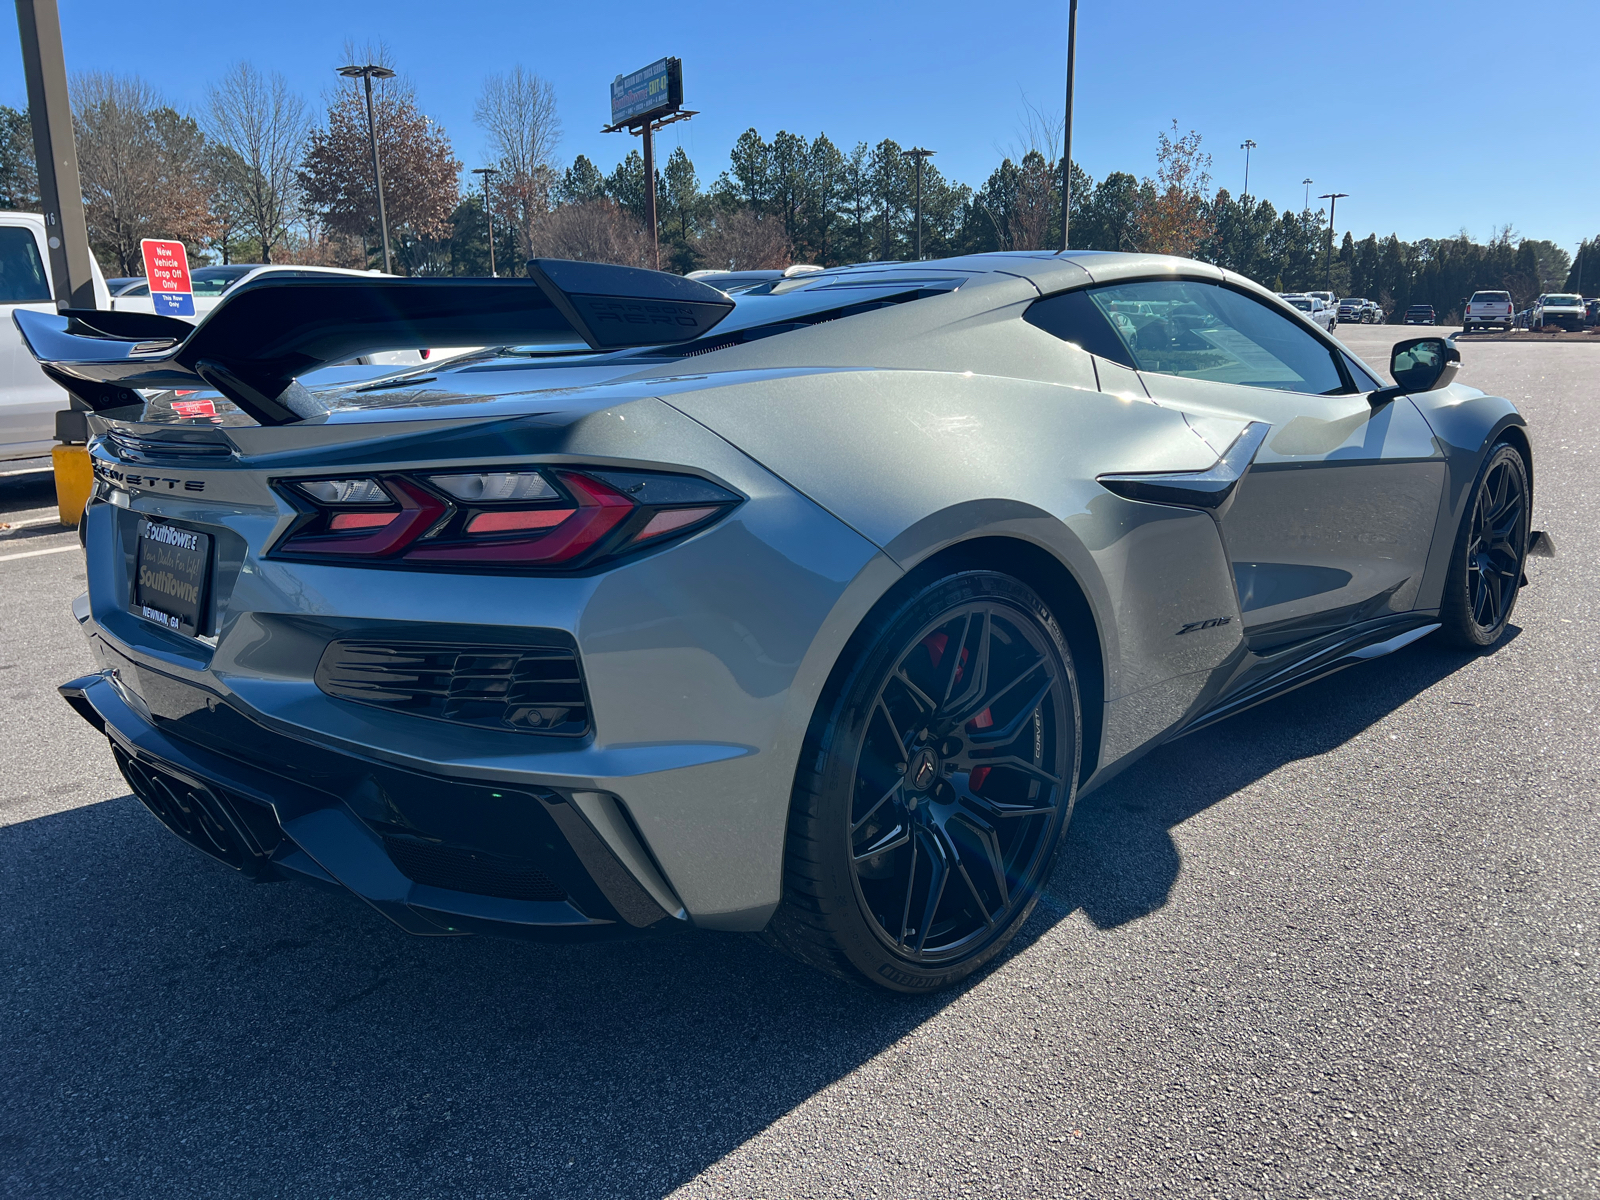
pixel 1466 422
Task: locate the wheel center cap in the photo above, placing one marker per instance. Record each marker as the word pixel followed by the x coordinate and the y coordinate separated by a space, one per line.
pixel 923 770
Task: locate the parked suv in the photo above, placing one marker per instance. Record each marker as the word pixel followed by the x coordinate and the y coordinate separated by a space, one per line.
pixel 1561 309
pixel 1420 314
pixel 1489 310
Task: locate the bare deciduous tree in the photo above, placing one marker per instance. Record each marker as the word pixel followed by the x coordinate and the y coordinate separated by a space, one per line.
pixel 594 231
pixel 518 112
pixel 742 240
pixel 264 124
pixel 142 167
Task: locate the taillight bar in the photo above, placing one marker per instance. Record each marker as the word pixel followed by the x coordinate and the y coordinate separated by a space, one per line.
pixel 545 517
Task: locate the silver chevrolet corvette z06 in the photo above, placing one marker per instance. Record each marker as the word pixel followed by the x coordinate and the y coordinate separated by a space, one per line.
pixel 809 611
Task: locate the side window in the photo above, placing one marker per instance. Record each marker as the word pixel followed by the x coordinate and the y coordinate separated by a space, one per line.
pixel 1364 381
pixel 22 277
pixel 1073 317
pixel 1205 331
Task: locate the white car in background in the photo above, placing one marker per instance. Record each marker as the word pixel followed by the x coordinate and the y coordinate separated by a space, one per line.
pixel 28 400
pixel 1313 309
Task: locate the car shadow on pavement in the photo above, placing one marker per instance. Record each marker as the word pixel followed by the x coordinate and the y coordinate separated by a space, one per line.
pixel 1120 862
pixel 175 1031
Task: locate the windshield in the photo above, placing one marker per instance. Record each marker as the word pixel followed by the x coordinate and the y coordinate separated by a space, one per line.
pixel 1562 301
pixel 213 281
pixel 1302 305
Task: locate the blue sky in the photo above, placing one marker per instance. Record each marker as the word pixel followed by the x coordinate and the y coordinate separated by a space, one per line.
pixel 1367 98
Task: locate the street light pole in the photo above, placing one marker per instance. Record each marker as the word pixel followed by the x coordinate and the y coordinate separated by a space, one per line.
pixel 1333 199
pixel 370 72
pixel 1247 145
pixel 55 151
pixel 1066 132
pixel 1308 181
pixel 921 156
pixel 488 209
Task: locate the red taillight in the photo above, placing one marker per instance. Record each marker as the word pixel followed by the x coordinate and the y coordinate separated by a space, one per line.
pixel 600 510
pixel 523 517
pixel 360 520
pixel 670 521
pixel 418 511
pixel 512 522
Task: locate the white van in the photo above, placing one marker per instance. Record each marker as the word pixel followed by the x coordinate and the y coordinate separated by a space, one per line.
pixel 28 401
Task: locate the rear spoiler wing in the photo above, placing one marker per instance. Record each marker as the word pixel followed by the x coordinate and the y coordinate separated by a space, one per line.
pixel 255 344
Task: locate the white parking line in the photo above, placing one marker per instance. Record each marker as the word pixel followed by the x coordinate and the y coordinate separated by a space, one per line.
pixel 37 553
pixel 30 521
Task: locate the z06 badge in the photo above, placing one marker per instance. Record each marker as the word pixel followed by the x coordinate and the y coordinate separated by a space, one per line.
pixel 1211 624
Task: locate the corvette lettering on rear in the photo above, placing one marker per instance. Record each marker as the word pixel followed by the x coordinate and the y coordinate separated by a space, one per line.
pixel 153 482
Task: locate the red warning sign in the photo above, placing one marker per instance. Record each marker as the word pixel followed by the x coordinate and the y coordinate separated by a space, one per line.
pixel 166 266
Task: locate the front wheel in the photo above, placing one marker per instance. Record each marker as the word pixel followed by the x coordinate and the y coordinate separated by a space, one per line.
pixel 1490 553
pixel 937 778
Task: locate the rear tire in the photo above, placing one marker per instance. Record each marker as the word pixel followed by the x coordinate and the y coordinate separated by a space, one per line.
pixel 937 779
pixel 1490 553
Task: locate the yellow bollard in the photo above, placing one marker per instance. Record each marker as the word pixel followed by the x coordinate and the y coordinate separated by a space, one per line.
pixel 74 481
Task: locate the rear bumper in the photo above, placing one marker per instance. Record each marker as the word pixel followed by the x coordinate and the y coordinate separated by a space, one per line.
pixel 437 856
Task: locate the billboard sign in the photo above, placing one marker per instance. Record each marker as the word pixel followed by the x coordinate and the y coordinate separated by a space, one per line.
pixel 650 92
pixel 166 266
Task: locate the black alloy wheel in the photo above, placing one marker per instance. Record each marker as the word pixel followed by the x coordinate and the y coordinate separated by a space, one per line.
pixel 946 771
pixel 1491 552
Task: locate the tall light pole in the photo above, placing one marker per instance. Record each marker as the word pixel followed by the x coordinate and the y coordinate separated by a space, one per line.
pixel 369 72
pixel 60 192
pixel 1247 145
pixel 1308 181
pixel 1333 199
pixel 921 156
pixel 1066 132
pixel 488 209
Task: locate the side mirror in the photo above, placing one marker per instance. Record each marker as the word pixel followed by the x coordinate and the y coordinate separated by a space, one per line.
pixel 1419 365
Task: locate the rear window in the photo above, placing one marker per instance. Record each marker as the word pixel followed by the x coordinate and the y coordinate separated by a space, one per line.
pixel 1491 298
pixel 22 277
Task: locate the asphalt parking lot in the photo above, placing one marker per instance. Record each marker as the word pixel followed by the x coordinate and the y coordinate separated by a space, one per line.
pixel 1343 945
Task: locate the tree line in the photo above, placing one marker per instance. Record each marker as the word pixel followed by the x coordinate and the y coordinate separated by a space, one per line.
pixel 251 176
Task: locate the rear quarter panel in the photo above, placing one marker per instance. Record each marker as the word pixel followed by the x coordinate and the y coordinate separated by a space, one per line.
pixel 918 461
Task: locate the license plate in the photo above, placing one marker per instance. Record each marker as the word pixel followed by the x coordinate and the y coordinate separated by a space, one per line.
pixel 171 571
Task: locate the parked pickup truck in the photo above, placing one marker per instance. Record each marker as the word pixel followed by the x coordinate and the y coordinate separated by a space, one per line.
pixel 1488 310
pixel 1313 309
pixel 1356 310
pixel 28 401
